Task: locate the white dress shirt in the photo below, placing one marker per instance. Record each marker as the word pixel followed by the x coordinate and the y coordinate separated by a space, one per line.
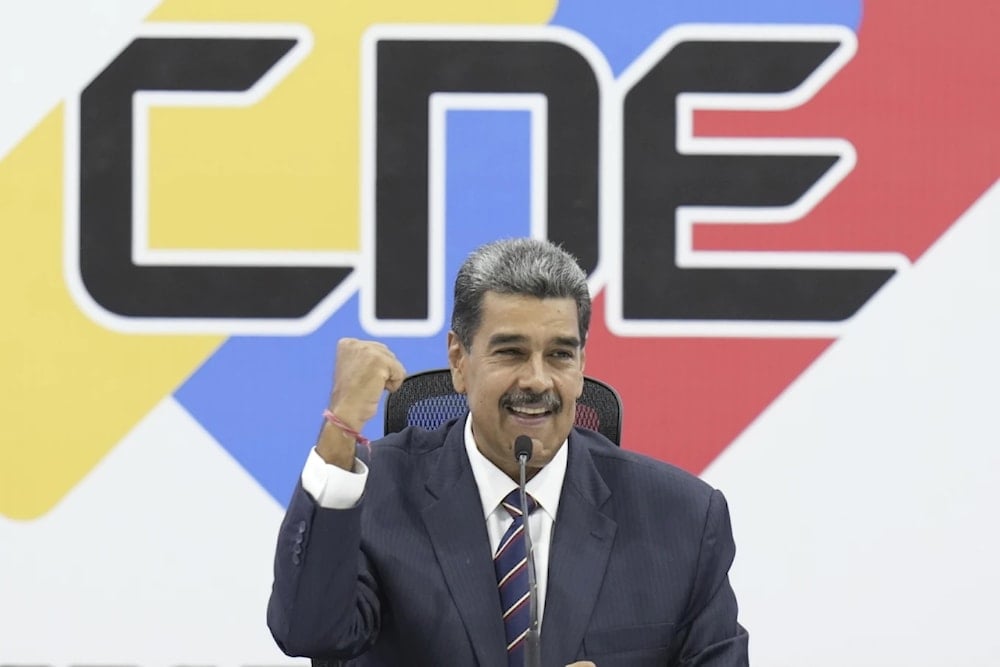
pixel 335 488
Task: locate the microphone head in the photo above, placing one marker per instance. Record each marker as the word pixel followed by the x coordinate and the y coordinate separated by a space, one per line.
pixel 522 447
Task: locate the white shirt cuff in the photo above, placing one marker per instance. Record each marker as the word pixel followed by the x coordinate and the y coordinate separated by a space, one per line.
pixel 333 487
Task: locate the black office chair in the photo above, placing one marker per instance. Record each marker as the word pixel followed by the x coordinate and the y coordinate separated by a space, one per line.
pixel 428 400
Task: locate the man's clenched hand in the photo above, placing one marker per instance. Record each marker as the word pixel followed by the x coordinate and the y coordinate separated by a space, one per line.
pixel 363 370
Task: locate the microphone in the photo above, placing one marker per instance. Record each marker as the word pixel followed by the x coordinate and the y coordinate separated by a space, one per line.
pixel 532 652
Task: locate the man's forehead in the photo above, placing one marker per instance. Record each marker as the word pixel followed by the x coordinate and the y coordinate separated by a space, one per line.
pixel 500 300
pixel 500 317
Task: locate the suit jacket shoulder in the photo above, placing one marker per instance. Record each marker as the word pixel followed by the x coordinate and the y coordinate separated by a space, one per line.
pixel 665 548
pixel 630 473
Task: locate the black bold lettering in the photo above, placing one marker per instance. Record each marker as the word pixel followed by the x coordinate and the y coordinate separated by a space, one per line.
pixel 658 180
pixel 408 72
pixel 105 216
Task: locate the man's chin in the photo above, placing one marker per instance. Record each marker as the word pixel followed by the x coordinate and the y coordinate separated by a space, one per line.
pixel 544 444
pixel 543 451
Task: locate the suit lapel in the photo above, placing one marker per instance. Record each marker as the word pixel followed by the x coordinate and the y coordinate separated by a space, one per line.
pixel 458 532
pixel 581 546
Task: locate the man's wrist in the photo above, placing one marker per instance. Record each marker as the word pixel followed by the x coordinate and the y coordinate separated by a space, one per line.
pixel 336 446
pixel 355 433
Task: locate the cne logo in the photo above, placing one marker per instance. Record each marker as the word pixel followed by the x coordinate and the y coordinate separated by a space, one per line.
pixel 215 175
pixel 617 175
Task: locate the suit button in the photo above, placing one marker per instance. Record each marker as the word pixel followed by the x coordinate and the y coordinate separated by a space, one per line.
pixel 296 560
pixel 297 549
pixel 302 527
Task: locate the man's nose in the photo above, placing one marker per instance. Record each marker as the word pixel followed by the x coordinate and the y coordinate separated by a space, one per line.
pixel 535 376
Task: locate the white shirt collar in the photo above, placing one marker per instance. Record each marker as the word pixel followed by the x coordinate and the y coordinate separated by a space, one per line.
pixel 494 484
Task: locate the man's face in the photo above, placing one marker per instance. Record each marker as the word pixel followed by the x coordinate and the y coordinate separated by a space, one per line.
pixel 522 376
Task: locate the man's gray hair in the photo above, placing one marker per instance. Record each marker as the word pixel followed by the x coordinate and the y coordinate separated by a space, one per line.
pixel 524 267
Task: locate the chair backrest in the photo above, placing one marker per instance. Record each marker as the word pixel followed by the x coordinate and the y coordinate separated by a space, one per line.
pixel 428 400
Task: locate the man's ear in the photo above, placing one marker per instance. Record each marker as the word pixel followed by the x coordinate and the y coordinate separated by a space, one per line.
pixel 583 365
pixel 456 361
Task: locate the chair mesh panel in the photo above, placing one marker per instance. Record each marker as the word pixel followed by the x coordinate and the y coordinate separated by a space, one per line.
pixel 429 413
pixel 428 400
pixel 587 417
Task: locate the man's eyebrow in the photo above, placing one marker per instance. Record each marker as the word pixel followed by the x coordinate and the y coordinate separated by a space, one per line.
pixel 506 339
pixel 516 339
pixel 567 341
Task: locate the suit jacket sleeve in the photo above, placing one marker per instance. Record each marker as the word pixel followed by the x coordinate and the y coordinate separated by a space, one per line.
pixel 713 637
pixel 324 601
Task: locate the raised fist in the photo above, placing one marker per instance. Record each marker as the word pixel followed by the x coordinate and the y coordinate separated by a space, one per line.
pixel 364 369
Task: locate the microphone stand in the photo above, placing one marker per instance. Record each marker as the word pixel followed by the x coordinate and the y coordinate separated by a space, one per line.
pixel 532 648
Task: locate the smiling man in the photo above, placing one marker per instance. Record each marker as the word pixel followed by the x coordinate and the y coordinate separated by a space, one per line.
pixel 400 562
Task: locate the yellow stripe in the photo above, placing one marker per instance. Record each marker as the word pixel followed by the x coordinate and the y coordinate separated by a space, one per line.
pixel 517 641
pixel 514 606
pixel 511 573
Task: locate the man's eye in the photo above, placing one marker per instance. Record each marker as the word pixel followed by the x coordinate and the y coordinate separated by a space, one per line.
pixel 562 354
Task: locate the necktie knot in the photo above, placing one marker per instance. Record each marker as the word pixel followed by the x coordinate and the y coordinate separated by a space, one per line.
pixel 512 503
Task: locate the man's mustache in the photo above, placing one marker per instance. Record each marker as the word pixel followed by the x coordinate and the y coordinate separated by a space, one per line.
pixel 518 399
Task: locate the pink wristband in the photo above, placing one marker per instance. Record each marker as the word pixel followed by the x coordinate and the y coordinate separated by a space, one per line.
pixel 334 420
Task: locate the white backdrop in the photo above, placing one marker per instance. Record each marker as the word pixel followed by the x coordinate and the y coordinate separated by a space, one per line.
pixel 863 498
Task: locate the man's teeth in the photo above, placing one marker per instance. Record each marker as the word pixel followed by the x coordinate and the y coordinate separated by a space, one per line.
pixel 530 411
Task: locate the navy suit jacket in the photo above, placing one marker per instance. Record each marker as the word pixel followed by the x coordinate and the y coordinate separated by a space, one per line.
pixel 638 566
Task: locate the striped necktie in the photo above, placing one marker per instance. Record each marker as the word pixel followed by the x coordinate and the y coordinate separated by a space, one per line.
pixel 511 564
